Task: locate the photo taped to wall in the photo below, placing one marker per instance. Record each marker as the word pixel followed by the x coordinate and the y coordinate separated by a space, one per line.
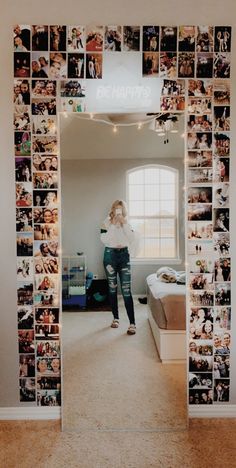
pixel 26 341
pixel 76 39
pixel 222 319
pixel 222 92
pixel 24 218
pixel 40 65
pixel 44 106
pixel 199 106
pixel 58 65
pixel 24 269
pixel 48 398
pixel 21 95
pixel 44 144
pixel 24 194
pixel 201 323
pixel 222 343
pixel 221 195
pixel 222 38
pixel 47 316
pixel 22 143
pixel 27 390
pixel 150 64
pixel 46 249
pixel 200 194
pixel 200 380
pixel 221 366
pixel 94 66
pixel 173 88
pixel 45 232
pixel 72 88
pixel 22 64
pixel 22 37
pixel 201 281
pixel 201 263
pixel 50 383
pixel 200 212
pixel 223 294
pixel 221 219
pixel 48 366
pixel 172 103
pixel 113 38
pixel 205 39
pixel 200 230
pixel 75 62
pixel 94 38
pixel 200 397
pixel 200 247
pixel 204 65
pixel 22 118
pixel 221 244
pixel 39 37
pixel 221 68
pixel 47 332
pixel 199 158
pixel 168 65
pixel 131 38
pixel 168 39
pixel 46 180
pixel 202 141
pixel 186 39
pixel 200 123
pixel 23 170
pixel 47 265
pixel 186 64
pixel 221 169
pixel 25 315
pixel 221 118
pixel 222 269
pixel 26 365
pixel 45 215
pixel 48 163
pixel 196 176
pixel 44 88
pixel 200 88
pixel 58 38
pixel 45 198
pixel 44 125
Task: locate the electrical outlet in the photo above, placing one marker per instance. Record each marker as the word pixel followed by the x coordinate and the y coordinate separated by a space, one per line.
pixel 95 276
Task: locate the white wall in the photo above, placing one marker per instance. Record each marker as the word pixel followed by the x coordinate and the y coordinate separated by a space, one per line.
pixel 169 12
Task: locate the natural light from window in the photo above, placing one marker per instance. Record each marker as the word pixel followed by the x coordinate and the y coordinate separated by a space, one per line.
pixel 153 202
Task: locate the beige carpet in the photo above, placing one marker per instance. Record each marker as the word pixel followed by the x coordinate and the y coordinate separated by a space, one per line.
pixel 115 381
pixel 207 444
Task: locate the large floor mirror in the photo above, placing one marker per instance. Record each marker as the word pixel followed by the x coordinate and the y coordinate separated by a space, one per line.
pixel 112 380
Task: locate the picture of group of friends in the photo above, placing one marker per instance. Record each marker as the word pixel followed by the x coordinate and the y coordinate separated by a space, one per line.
pixel 199 158
pixel 168 65
pixel 46 265
pixel 24 244
pixel 173 88
pixel 72 88
pixel 45 180
pixel 47 316
pixel 222 269
pixel 45 198
pixel 22 118
pixel 199 123
pixel 201 324
pixel 47 163
pixel 172 103
pixel 27 390
pixel 200 230
pixel 26 365
pixel 201 380
pixel 221 367
pixel 49 398
pixel 221 144
pixel 222 319
pixel 24 194
pixel 200 363
pixel 201 298
pixel 44 125
pixel 45 215
pixel 44 88
pixel 200 194
pixel 222 294
pixel 46 299
pixel 48 367
pixel 150 64
pixel 47 332
pixel 44 144
pixel 202 281
pixel 47 348
pixel 45 232
pixel 44 106
pixel 200 397
pixel 222 342
pixel 197 176
pixel 46 249
pixel 48 383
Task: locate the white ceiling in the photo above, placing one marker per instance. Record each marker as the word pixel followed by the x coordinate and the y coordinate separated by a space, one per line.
pixel 85 138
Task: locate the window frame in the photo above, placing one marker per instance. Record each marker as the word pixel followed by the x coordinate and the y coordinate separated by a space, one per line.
pixel 159 260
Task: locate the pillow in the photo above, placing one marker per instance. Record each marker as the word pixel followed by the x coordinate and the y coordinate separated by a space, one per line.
pixel 167 277
pixel 166 270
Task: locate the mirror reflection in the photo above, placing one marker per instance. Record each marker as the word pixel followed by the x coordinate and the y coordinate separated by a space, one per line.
pixel 123 279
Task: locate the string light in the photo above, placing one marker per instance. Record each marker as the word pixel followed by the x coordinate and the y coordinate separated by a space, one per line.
pixel 114 129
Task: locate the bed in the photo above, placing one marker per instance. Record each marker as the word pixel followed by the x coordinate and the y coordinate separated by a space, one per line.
pixel 167 318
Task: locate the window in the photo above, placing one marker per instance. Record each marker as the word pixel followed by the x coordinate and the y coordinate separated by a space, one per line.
pixel 153 203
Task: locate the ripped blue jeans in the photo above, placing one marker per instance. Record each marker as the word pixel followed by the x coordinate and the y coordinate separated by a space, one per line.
pixel 117 263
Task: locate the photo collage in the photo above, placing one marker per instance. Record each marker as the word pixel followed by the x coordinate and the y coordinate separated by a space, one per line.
pixel 51 67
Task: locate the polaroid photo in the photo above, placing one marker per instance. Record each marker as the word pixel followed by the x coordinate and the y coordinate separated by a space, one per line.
pixel 221 368
pixel 47 163
pixel 223 38
pixel 200 380
pixel 75 63
pixel 131 38
pixel 204 65
pixel 223 294
pixel 94 38
pixel 26 365
pixel 202 141
pixel 168 41
pixel 48 366
pixel 39 37
pixel 24 244
pixel 72 89
pixel 205 39
pixel 44 125
pixel 40 65
pixel 23 194
pixel 201 298
pixel 49 383
pixel 199 363
pixel 200 195
pixel 72 105
pixel 48 398
pixel 151 38
pixel 113 39
pixel 200 106
pixel 21 37
pixel 200 247
pixel 46 249
pixel 94 66
pixel 150 64
pixel 221 195
pixel 222 270
pixel 200 123
pixel 203 281
pixel 45 144
pixel 221 390
pixel 221 66
pixel 186 41
pixel 200 176
pixel 45 215
pixel 201 264
pixel 21 96
pixel 45 198
pixel 48 349
pixel 27 390
pixel 21 118
pixel 200 212
pixel 23 170
pixel 186 64
pixel 222 319
pixel 200 230
pixel 44 89
pixel 75 38
pixel 25 316
pixel 199 158
pixel 24 219
pixel 46 283
pixel 221 242
pixel 44 106
pixel 22 143
pixel 168 65
pixel 222 92
pixel 26 341
pixel 201 323
pixel 58 38
pixel 47 316
pixel 200 397
pixel 24 293
pixel 200 88
pixel 24 269
pixel 221 219
pixel 22 65
pixel 46 299
pixel 47 265
pixel 48 180
pixel 221 118
pixel 46 232
pixel 58 66
pixel 173 88
pixel 221 169
pixel 172 103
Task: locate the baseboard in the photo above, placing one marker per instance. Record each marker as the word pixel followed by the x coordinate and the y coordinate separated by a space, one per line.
pixel 16 413
pixel 212 411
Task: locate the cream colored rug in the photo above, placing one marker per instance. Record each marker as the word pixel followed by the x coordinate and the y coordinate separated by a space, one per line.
pixel 115 381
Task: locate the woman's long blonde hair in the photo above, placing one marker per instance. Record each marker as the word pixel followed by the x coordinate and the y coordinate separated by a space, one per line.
pixel 114 206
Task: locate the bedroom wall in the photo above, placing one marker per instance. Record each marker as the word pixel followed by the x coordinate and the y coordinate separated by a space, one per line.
pixel 104 12
pixel 86 196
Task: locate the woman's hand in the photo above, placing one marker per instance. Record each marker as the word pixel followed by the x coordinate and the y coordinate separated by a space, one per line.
pixel 119 220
